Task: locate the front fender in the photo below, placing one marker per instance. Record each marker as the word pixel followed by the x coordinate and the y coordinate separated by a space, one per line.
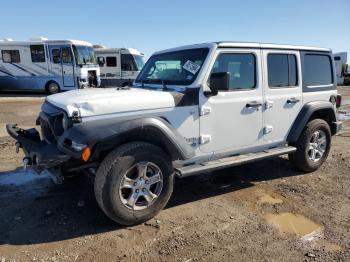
pixel 107 134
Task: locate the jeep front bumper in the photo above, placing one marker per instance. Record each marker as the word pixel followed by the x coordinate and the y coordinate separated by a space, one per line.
pixel 38 154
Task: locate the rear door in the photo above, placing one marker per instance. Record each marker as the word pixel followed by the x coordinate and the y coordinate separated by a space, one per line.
pixel 282 93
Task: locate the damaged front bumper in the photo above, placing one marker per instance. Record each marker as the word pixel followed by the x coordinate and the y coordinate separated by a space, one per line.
pixel 38 154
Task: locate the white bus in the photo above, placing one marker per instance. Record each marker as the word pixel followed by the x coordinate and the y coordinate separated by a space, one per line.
pixel 47 65
pixel 118 66
pixel 340 65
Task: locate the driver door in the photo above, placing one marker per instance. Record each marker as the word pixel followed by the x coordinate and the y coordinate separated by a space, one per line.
pixel 233 119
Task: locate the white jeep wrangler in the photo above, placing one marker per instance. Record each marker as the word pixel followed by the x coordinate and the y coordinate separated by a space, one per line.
pixel 191 110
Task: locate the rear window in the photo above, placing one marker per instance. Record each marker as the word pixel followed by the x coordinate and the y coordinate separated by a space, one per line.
pixel 318 70
pixel 282 70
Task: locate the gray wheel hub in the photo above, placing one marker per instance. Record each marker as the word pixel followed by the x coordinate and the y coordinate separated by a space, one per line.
pixel 317 145
pixel 141 185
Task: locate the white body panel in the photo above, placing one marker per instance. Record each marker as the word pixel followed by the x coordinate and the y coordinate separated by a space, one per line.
pixel 340 60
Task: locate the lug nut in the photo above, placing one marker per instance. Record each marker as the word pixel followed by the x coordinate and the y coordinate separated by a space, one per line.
pixel 147 182
pixel 143 189
pixel 136 190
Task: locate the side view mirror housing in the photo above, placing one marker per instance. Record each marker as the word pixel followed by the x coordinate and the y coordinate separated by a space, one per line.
pixel 219 82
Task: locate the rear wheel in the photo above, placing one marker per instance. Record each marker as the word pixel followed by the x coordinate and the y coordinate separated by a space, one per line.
pixel 134 183
pixel 313 146
pixel 52 88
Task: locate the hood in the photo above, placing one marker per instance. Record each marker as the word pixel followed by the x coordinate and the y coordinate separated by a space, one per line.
pixel 101 101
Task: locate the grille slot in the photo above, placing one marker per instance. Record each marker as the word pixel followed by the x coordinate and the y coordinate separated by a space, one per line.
pixel 46 131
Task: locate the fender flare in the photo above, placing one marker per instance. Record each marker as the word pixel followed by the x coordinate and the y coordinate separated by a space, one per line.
pixel 323 109
pixel 107 134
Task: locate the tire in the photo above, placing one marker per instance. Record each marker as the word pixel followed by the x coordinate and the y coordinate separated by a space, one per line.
pixel 306 157
pixel 52 88
pixel 125 163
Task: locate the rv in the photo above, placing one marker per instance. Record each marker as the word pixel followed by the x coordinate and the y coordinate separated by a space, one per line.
pixel 340 67
pixel 47 65
pixel 118 66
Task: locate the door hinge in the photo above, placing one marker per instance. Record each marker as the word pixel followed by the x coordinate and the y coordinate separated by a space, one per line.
pixel 268 129
pixel 203 139
pixel 205 110
pixel 269 104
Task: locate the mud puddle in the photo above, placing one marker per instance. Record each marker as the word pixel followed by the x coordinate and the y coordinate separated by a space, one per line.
pixel 289 223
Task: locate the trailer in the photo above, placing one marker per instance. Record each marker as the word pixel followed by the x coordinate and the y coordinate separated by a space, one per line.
pixel 340 65
pixel 47 65
pixel 118 66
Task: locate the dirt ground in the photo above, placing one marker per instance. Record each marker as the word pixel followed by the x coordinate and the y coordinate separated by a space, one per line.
pixel 264 211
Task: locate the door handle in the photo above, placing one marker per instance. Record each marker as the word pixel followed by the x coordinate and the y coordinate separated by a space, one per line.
pixel 253 104
pixel 292 100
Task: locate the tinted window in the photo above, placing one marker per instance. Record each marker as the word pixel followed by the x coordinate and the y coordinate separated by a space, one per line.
pixel 56 56
pixel 337 58
pixel 128 63
pixel 37 53
pixel 282 70
pixel 318 70
pixel 101 61
pixel 67 56
pixel 111 61
pixel 241 68
pixel 11 56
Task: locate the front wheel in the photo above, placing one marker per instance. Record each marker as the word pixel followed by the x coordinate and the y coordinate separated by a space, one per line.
pixel 313 146
pixel 52 88
pixel 134 182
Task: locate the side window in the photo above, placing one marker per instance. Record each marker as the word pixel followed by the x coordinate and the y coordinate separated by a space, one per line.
pixel 11 56
pixel 111 61
pixel 128 63
pixel 67 55
pixel 37 53
pixel 241 68
pixel 101 60
pixel 56 56
pixel 318 70
pixel 282 70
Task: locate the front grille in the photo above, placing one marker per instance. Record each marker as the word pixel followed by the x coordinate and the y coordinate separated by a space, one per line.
pixel 46 131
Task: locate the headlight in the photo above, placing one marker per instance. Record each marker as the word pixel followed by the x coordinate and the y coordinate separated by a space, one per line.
pixel 77 146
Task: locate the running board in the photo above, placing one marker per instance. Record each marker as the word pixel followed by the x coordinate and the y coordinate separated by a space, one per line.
pixel 232 161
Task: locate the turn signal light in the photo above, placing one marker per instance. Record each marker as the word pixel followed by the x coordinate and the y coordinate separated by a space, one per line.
pixel 86 154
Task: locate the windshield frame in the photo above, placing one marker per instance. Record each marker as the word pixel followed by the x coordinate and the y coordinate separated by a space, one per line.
pixel 137 60
pixel 79 56
pixel 158 56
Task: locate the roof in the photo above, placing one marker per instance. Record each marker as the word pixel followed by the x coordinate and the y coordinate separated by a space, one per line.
pixel 232 44
pixel 107 50
pixel 64 41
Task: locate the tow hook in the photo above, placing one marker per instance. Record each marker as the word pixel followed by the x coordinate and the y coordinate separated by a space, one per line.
pixel 18 145
pixel 26 162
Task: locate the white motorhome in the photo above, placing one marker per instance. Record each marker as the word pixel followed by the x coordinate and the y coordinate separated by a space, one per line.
pixel 340 66
pixel 47 65
pixel 118 66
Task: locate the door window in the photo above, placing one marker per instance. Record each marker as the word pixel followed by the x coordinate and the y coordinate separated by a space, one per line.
pixel 11 56
pixel 241 68
pixel 318 70
pixel 111 61
pixel 282 70
pixel 128 63
pixel 67 55
pixel 56 55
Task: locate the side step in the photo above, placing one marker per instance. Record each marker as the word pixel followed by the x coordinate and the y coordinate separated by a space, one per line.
pixel 232 161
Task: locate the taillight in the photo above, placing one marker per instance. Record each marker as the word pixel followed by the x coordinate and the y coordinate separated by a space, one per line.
pixel 338 101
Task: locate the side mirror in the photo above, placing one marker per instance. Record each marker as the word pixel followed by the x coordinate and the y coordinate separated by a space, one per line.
pixel 219 82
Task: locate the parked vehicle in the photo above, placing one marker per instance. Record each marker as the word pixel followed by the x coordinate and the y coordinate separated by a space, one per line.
pixel 118 66
pixel 47 65
pixel 193 109
pixel 340 65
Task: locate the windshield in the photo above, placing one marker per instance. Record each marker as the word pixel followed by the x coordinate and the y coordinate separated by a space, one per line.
pixel 177 68
pixel 84 55
pixel 139 62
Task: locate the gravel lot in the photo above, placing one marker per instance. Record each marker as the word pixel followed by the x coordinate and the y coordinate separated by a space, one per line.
pixel 264 211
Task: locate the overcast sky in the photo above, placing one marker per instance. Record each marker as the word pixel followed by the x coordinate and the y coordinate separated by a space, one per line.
pixel 159 24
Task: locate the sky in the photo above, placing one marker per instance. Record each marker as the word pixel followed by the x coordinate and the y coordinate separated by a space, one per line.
pixel 160 24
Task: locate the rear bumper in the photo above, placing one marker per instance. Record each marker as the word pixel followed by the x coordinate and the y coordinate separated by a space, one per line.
pixel 38 154
pixel 337 126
